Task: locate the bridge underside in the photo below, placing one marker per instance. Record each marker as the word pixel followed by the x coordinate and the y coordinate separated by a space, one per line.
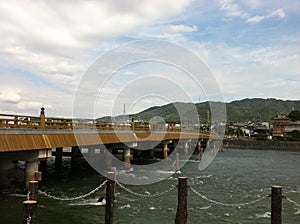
pixel 53 139
pixel 34 146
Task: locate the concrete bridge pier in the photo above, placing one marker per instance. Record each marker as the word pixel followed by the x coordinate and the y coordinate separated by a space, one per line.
pixel 127 157
pixel 186 147
pixel 200 150
pixel 165 150
pixel 31 167
pixel 32 160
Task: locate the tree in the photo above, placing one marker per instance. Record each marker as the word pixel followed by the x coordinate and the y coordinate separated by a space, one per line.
pixel 295 115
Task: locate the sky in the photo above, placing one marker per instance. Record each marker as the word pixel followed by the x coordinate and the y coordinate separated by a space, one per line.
pixel 251 48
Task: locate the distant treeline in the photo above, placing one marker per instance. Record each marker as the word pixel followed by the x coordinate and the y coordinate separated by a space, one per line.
pixel 255 110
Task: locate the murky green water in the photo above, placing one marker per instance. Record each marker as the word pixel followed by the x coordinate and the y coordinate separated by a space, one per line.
pixel 234 177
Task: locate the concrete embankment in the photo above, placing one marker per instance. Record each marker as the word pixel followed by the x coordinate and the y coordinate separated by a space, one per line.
pixel 263 145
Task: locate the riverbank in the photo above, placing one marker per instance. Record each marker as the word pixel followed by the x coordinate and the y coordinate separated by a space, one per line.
pixel 263 145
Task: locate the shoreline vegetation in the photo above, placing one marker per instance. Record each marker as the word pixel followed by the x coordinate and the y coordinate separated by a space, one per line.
pixel 261 145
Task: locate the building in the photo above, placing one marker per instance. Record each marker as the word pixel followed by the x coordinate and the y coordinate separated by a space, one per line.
pixel 283 126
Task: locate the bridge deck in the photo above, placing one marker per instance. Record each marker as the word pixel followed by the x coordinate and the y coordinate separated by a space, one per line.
pixel 20 132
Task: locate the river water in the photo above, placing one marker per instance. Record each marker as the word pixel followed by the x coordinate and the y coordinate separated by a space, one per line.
pixel 234 177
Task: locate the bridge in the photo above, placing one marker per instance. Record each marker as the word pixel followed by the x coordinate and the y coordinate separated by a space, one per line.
pixel 33 138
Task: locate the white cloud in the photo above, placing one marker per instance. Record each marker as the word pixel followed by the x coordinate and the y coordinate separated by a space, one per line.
pixel 26 105
pixel 233 9
pixel 46 46
pixel 18 91
pixel 48 34
pixel 10 96
pixel 255 19
pixel 275 13
pixel 181 28
pixel 61 25
pixel 278 13
pixel 248 72
pixel 253 3
pixel 53 43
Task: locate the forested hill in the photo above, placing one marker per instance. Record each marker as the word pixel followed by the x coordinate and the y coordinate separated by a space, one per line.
pixel 255 110
pixel 260 109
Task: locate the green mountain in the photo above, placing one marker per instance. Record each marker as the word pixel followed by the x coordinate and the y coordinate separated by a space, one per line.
pixel 259 109
pixel 255 110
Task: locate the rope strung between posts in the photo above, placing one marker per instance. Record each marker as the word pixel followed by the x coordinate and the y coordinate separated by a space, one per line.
pixel 293 202
pixel 73 198
pixel 227 204
pixel 146 195
pixel 292 191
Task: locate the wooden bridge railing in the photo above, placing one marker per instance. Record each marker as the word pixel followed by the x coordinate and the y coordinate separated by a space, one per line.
pixel 42 122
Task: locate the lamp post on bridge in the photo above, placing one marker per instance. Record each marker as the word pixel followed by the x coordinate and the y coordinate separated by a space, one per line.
pixel 42 118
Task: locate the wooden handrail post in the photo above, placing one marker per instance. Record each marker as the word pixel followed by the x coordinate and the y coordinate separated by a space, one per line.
pixel 16 121
pixel 132 124
pixel 110 196
pixel 42 118
pixel 276 205
pixel 182 213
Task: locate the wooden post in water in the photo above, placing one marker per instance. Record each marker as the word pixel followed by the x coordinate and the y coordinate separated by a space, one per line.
pixel 177 162
pixel 276 205
pixel 33 190
pixel 30 212
pixel 75 154
pixel 58 159
pixel 200 151
pixel 182 213
pixel 110 196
